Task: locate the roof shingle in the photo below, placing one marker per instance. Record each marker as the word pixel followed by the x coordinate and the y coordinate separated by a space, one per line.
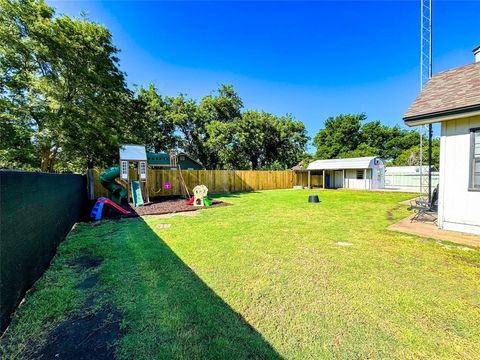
pixel 454 89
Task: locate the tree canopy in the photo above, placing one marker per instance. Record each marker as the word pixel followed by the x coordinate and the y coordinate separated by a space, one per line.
pixel 349 135
pixel 65 106
pixel 60 88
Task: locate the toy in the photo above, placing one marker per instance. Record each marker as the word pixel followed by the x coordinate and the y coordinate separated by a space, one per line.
pixel 199 197
pixel 167 185
pixel 207 202
pixel 199 194
pixel 107 178
pixel 137 155
pixel 137 198
pixel 97 210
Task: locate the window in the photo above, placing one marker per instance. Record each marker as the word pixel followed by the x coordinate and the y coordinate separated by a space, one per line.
pixel 359 174
pixel 124 174
pixel 143 170
pixel 475 159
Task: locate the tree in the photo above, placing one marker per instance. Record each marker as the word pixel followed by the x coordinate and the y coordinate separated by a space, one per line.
pixel 60 81
pixel 399 141
pixel 288 143
pixel 345 136
pixel 150 122
pixel 253 143
pixel 340 136
pixel 197 122
pixel 259 140
pixel 411 157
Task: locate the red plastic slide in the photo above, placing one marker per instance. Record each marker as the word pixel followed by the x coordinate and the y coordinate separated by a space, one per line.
pixel 119 208
pixel 190 201
pixel 97 210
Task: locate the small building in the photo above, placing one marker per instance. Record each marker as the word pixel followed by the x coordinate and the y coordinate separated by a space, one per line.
pixel 129 153
pixel 170 161
pixel 132 155
pixel 363 173
pixel 452 98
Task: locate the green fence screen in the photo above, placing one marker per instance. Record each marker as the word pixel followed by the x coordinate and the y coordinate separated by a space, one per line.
pixel 37 210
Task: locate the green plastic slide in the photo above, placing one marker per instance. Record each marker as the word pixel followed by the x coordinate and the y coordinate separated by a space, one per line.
pixel 137 194
pixel 117 192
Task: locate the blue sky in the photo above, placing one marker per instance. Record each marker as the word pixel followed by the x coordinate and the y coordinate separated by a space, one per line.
pixel 311 59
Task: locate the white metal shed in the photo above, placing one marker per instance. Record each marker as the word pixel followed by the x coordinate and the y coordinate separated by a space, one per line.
pixel 363 173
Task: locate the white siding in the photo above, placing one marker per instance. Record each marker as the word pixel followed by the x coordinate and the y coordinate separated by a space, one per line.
pixel 459 208
pixel 338 178
pixel 351 181
pixel 378 177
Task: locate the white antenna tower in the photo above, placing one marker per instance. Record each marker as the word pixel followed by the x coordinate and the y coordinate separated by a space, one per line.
pixel 425 75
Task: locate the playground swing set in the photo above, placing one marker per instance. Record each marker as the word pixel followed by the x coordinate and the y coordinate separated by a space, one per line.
pixel 133 186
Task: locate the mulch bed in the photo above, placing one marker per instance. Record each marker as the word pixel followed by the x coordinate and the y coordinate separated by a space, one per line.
pixel 157 206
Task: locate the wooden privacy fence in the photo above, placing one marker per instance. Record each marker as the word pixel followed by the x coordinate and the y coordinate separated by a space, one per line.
pixel 217 181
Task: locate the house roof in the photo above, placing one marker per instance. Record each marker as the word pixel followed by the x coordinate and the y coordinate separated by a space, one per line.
pixel 338 164
pixel 299 166
pixel 191 158
pixel 163 158
pixel 133 152
pixel 449 94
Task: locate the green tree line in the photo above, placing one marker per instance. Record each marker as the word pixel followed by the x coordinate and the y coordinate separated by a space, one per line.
pixel 65 106
pixel 349 135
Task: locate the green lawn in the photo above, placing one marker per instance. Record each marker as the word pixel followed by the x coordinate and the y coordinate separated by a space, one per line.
pixel 264 278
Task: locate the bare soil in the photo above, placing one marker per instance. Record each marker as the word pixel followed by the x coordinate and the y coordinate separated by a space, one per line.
pixel 91 332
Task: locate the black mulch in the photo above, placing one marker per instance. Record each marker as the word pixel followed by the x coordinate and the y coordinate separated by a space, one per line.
pixel 157 206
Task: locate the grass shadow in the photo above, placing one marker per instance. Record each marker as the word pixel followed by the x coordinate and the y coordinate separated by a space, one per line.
pixel 235 194
pixel 169 311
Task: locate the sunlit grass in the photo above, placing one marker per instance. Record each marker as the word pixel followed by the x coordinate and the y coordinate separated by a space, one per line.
pixel 266 278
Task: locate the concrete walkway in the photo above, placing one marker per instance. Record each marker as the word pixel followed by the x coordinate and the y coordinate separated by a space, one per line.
pixel 430 230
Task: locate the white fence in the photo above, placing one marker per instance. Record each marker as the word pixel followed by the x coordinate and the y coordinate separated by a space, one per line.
pixel 407 181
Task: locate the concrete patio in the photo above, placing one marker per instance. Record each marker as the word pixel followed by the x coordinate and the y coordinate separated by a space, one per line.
pixel 430 230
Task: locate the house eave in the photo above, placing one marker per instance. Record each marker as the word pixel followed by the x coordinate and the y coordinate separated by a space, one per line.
pixel 441 116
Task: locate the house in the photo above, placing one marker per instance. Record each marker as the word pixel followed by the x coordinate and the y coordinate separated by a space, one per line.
pixel 452 98
pixel 363 173
pixel 171 160
pixel 297 167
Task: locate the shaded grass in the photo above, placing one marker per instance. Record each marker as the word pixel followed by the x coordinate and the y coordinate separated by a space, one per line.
pixel 265 279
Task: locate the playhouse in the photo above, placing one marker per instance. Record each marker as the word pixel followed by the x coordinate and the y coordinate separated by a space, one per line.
pixel 137 184
pixel 128 182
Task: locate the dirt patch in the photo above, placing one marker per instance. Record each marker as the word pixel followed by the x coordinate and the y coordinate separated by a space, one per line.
pixel 391 212
pixel 172 206
pixel 92 330
pixel 343 243
pixel 88 283
pixel 85 262
pixel 80 338
pixel 157 207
